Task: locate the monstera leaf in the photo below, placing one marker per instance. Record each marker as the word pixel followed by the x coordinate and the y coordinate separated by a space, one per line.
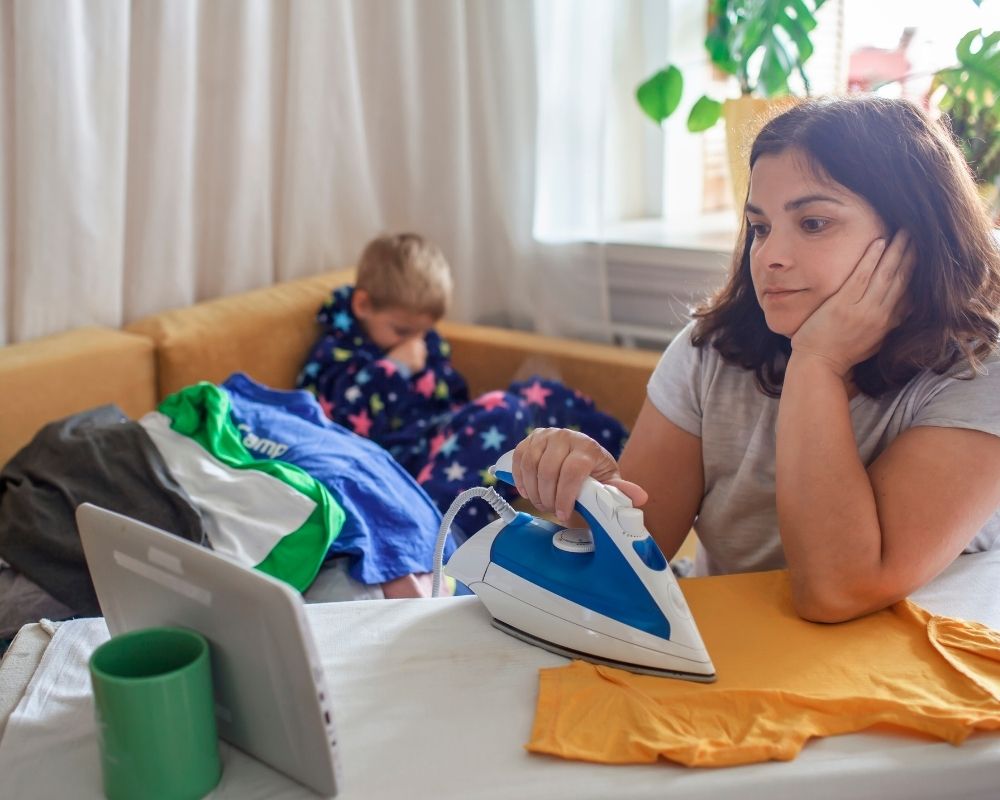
pixel 976 77
pixel 761 42
pixel 779 28
pixel 969 93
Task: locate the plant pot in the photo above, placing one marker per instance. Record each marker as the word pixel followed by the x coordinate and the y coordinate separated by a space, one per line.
pixel 744 117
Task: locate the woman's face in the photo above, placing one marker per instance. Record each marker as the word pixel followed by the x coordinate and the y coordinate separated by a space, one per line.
pixel 808 235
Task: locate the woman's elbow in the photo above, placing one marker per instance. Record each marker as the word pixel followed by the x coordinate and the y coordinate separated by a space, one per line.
pixel 833 604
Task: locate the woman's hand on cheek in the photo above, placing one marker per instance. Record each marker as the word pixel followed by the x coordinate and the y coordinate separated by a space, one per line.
pixel 852 323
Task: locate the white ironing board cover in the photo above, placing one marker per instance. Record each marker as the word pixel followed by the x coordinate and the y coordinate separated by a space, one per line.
pixel 432 701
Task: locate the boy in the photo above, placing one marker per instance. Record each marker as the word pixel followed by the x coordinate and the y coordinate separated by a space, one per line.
pixel 381 370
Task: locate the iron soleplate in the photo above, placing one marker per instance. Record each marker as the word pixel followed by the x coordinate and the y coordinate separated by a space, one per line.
pixel 545 644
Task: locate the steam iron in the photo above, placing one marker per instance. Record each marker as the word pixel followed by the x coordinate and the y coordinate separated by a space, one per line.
pixel 604 594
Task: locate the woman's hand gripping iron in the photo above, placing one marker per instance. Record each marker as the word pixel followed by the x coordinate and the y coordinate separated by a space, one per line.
pixel 605 594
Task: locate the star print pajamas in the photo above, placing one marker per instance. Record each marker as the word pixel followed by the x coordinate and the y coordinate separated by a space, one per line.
pixel 481 431
pixel 425 420
pixel 374 396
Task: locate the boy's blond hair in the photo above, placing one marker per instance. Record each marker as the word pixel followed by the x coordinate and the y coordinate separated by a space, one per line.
pixel 407 271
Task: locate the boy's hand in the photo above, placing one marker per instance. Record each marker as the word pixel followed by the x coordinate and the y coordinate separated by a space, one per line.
pixel 412 354
pixel 852 323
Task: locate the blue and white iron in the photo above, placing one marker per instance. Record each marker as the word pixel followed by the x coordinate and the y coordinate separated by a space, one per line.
pixel 606 594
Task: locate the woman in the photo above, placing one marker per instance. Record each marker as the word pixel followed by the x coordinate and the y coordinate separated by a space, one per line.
pixel 836 407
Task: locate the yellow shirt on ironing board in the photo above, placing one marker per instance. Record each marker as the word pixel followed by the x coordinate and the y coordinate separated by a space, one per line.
pixel 781 681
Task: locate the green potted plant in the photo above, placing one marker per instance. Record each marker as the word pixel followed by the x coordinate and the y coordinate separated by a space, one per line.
pixel 969 93
pixel 763 43
pixel 760 42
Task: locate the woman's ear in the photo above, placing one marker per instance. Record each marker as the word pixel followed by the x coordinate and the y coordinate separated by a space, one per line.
pixel 361 304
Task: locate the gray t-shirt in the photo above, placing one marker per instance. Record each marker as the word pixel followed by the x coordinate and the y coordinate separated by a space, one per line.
pixel 720 403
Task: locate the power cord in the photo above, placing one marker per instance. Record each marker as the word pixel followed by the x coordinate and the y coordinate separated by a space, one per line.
pixel 497 503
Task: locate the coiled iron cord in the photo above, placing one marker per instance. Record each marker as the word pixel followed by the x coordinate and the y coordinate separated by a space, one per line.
pixel 497 503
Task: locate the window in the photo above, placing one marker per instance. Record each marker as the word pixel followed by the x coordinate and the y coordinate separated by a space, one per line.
pixel 710 160
pixel 901 39
pixel 606 173
pixel 854 39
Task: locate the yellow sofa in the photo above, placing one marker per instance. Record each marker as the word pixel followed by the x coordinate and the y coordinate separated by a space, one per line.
pixel 266 334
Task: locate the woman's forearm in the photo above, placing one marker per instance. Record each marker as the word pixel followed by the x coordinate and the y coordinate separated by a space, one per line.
pixel 827 513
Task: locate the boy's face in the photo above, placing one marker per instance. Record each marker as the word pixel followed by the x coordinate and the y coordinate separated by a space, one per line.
pixel 392 326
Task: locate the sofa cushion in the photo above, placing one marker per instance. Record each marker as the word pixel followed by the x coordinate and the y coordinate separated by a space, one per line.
pixel 265 333
pixel 55 376
pixel 613 377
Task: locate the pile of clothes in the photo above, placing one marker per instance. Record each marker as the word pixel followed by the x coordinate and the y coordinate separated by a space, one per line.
pixel 258 474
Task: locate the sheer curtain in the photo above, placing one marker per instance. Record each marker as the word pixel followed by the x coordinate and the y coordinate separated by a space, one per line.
pixel 153 154
pixel 574 62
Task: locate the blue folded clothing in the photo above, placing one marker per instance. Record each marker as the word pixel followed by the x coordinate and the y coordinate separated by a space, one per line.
pixel 391 523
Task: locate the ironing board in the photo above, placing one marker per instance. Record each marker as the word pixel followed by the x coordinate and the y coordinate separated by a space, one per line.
pixel 431 701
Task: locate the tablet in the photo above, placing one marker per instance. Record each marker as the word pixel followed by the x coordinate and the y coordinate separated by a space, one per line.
pixel 270 695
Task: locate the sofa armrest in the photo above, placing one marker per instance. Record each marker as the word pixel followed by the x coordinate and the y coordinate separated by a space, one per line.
pixel 52 377
pixel 265 333
pixel 614 378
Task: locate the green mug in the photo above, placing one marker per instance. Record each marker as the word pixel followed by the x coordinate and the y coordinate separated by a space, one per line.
pixel 156 715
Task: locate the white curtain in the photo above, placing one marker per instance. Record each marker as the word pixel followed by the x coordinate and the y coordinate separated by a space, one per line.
pixel 574 49
pixel 159 152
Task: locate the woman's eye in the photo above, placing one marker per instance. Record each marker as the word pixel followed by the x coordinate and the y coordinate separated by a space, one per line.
pixel 759 230
pixel 813 225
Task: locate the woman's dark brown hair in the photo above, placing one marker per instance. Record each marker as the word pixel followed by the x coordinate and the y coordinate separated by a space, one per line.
pixel 912 173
